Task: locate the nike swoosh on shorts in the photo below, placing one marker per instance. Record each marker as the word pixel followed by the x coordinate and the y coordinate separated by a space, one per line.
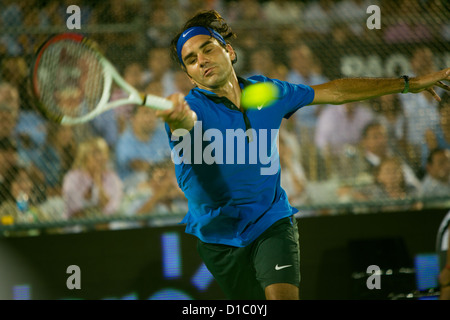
pixel 282 267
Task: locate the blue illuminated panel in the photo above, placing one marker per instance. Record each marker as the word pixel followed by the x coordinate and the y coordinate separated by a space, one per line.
pixel 202 278
pixel 21 292
pixel 170 294
pixel 171 256
pixel 427 271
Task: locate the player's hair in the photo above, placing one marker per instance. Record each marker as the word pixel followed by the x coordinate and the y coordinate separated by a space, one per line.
pixel 208 19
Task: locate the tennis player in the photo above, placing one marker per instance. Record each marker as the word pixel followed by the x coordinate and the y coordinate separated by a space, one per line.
pixel 247 235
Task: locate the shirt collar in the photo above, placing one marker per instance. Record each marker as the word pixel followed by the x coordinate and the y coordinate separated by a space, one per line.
pixel 216 99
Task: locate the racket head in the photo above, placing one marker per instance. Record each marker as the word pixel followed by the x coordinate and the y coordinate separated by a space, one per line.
pixel 68 79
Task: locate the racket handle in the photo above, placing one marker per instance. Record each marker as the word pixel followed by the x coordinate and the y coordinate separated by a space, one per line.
pixel 156 102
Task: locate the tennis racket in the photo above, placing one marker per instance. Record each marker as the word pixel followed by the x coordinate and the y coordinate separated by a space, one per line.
pixel 72 81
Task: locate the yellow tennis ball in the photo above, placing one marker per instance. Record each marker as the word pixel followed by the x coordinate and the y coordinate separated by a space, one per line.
pixel 259 95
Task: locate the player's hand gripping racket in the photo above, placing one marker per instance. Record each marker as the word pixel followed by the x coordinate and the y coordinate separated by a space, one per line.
pixel 72 81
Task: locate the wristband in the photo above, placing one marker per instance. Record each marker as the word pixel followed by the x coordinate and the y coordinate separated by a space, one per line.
pixel 406 78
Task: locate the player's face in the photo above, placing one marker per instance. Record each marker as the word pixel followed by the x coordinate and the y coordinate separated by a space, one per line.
pixel 208 64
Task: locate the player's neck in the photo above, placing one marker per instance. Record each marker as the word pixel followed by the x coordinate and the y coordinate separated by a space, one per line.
pixel 229 89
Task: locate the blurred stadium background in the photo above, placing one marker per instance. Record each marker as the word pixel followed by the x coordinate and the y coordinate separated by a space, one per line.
pixel 309 41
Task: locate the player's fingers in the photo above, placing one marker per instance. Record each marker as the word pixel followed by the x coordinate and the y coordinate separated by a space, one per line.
pixel 443 85
pixel 434 94
pixel 163 114
pixel 178 101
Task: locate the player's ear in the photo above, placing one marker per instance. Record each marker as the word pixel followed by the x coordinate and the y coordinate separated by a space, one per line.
pixel 231 52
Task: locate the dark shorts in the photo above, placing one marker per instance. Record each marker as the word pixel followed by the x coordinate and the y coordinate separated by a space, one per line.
pixel 244 273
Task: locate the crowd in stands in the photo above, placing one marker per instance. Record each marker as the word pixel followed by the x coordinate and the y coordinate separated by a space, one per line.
pixel 395 147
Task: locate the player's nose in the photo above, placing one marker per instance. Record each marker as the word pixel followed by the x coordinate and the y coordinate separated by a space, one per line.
pixel 202 60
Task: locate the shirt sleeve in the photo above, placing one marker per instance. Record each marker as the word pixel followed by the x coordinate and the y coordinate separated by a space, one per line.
pixel 291 97
pixel 294 96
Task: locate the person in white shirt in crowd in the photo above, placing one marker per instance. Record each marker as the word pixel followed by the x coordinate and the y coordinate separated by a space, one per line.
pixel 436 182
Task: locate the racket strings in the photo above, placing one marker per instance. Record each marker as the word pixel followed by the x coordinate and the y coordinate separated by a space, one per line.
pixel 70 79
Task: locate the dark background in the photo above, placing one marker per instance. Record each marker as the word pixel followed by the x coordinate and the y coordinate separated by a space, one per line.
pixel 117 264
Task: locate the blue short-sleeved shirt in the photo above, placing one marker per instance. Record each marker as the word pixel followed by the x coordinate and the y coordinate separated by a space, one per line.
pixel 232 179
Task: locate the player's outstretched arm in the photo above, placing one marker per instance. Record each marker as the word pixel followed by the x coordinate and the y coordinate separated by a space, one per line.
pixel 356 89
pixel 180 116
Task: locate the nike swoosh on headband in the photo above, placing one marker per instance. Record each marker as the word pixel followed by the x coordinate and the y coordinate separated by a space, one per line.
pixel 195 31
pixel 186 33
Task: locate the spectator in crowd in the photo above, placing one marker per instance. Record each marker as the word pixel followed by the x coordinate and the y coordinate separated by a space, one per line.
pixel 92 187
pixel 390 114
pixel 9 109
pixel 142 144
pixel 338 126
pixel 421 110
pixel 438 12
pixel 31 134
pixel 110 124
pixel 25 126
pixel 166 196
pixel 155 87
pixel 293 177
pixel 9 95
pixel 118 12
pixel 353 13
pixel 261 62
pixel 8 166
pixel 22 205
pixel 182 82
pixel 405 26
pixel 282 12
pixel 56 157
pixel 441 137
pixel 436 182
pixel 14 70
pixel 245 11
pixel 304 69
pixel 443 132
pixel 159 195
pixel 389 184
pixel 318 17
pixel 159 20
pixel 133 74
pixel 159 69
pixel 374 149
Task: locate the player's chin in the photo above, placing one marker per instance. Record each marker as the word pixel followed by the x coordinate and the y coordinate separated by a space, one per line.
pixel 212 80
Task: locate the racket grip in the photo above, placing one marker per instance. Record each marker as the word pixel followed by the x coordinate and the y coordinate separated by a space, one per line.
pixel 156 102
